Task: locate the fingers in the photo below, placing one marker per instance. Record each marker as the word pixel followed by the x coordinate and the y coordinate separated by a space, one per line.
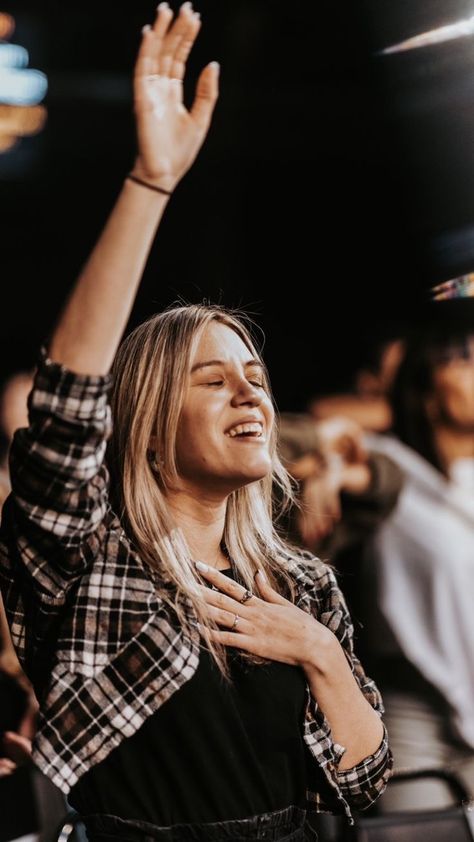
pixel 16 747
pixel 165 46
pixel 232 621
pixel 164 16
pixel 229 638
pixel 265 589
pixel 207 91
pixel 341 435
pixel 184 48
pixel 222 601
pixel 6 767
pixel 230 592
pixel 163 53
pixel 223 583
pixel 178 43
pixel 147 61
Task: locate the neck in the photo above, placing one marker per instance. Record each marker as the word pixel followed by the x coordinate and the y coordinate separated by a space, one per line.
pixel 201 518
pixel 453 444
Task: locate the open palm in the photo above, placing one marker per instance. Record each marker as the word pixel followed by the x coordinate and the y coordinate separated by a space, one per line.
pixel 169 136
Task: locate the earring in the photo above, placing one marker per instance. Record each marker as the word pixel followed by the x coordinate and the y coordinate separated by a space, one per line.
pixel 154 463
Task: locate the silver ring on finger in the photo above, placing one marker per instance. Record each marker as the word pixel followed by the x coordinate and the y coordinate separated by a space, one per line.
pixel 247 595
pixel 235 623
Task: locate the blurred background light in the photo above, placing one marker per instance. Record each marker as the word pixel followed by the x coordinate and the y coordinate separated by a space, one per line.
pixel 21 91
pixel 22 87
pixel 460 29
pixel 12 55
pixel 7 25
pixel 20 121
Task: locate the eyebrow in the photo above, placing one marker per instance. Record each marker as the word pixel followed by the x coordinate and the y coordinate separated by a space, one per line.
pixel 250 363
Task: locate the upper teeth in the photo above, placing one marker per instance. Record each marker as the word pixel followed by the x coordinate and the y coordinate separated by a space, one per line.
pixel 254 427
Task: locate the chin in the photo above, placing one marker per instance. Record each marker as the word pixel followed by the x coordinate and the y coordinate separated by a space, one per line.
pixel 254 474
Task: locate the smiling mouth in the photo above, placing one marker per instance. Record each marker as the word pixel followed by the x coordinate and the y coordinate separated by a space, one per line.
pixel 246 432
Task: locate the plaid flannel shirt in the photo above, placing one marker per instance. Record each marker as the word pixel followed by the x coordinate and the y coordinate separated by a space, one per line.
pixel 98 643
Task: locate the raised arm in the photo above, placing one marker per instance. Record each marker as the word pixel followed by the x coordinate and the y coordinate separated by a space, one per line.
pixel 169 138
pixel 56 515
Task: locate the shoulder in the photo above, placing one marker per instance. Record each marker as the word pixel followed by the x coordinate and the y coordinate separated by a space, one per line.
pixel 317 586
pixel 319 594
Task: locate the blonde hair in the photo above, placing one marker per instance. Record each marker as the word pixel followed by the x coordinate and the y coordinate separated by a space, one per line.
pixel 150 375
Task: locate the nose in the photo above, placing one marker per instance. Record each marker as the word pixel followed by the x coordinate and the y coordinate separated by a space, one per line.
pixel 246 394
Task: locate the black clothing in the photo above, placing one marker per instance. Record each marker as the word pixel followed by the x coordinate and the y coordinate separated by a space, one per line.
pixel 215 751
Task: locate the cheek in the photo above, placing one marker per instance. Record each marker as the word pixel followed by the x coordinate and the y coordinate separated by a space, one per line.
pixel 269 415
pixel 457 392
pixel 195 434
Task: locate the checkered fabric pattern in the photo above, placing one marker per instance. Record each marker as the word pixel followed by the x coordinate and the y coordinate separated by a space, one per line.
pixel 101 647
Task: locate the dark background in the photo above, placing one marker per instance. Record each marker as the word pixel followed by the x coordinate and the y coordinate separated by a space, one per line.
pixel 335 187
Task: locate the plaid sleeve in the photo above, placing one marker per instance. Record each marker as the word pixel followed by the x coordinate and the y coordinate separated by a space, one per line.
pixel 356 788
pixel 363 784
pixel 58 479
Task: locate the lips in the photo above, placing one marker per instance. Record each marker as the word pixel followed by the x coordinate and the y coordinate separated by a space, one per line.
pixel 249 429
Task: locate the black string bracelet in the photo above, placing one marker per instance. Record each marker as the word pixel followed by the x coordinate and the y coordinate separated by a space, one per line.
pixel 150 186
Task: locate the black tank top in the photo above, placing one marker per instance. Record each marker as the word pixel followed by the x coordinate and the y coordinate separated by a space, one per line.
pixel 213 752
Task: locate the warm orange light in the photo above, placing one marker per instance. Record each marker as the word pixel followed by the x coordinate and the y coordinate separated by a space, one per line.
pixel 6 142
pixel 21 120
pixel 17 120
pixel 7 25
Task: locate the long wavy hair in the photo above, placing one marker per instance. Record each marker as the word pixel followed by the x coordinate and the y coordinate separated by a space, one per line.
pixel 150 378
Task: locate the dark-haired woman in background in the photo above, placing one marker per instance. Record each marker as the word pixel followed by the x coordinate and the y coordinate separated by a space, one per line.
pixel 421 560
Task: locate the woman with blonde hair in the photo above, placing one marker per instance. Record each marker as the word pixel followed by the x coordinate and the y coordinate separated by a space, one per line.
pixel 196 676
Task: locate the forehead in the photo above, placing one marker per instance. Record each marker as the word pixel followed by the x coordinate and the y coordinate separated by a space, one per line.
pixel 219 342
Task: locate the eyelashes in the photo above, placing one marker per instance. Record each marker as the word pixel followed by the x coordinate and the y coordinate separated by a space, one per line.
pixel 257 384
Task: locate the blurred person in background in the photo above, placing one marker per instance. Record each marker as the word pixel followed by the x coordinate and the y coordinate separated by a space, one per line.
pixel 30 805
pixel 420 562
pixel 405 553
pixel 344 490
pixel 366 404
pixel 13 415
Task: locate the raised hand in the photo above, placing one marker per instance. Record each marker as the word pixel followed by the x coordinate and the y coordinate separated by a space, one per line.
pixel 169 136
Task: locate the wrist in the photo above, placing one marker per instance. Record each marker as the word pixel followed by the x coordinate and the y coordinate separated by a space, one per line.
pixel 318 650
pixel 163 181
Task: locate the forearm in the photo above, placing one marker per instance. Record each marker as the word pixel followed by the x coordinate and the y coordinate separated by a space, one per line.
pixel 95 316
pixel 354 723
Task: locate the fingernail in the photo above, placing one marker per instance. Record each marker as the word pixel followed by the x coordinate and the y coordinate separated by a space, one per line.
pixel 215 65
pixel 201 566
pixel 261 575
pixel 146 28
pixel 186 6
pixel 162 6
